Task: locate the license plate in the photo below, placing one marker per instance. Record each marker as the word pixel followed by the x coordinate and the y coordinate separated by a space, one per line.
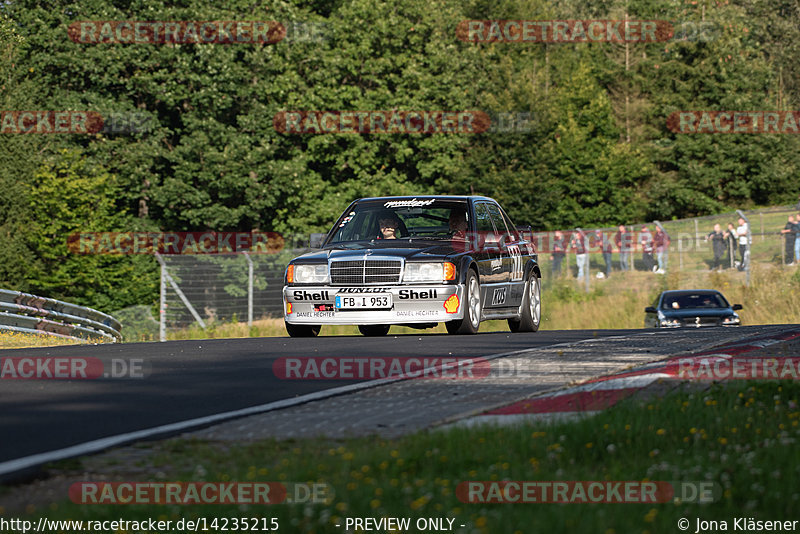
pixel 363 302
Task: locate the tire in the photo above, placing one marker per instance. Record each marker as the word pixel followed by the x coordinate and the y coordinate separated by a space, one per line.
pixel 372 330
pixel 472 308
pixel 531 315
pixel 302 330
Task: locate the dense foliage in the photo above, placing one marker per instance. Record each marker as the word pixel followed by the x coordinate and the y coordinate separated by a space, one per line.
pixel 597 150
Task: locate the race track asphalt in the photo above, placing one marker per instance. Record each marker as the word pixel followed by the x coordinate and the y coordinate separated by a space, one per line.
pixel 190 379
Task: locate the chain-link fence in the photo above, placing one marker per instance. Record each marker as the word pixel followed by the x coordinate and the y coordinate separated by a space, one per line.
pixel 204 289
pixel 201 289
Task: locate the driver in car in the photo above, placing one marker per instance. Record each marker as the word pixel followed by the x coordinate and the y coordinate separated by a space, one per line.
pixel 389 225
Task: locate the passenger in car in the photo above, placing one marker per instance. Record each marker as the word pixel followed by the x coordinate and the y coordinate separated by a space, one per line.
pixel 458 223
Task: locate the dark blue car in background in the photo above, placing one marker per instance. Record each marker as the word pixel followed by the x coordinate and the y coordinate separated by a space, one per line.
pixel 691 308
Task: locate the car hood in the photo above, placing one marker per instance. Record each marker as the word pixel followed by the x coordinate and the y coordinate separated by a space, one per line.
pixel 427 251
pixel 698 312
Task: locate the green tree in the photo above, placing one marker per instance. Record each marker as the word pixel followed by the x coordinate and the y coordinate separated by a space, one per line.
pixel 70 194
pixel 19 156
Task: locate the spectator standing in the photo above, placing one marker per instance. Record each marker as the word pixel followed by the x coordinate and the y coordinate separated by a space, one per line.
pixel 581 256
pixel 559 250
pixel 730 241
pixel 607 248
pixel 743 231
pixel 661 243
pixel 646 240
pixel 789 239
pixel 622 240
pixel 797 239
pixel 718 245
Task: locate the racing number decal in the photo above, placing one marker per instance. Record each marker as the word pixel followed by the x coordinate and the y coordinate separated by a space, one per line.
pixel 516 256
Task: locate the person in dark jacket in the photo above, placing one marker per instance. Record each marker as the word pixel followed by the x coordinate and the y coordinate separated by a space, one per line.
pixel 730 246
pixel 559 250
pixel 789 235
pixel 607 247
pixel 718 245
pixel 646 240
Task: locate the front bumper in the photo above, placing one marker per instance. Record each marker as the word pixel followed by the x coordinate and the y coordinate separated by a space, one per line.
pixel 410 304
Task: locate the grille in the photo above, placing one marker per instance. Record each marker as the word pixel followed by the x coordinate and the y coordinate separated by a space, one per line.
pixel 357 272
pixel 704 321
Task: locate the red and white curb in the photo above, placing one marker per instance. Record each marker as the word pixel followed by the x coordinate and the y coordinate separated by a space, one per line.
pixel 603 392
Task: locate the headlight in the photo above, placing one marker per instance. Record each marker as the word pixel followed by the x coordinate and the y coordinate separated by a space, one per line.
pixel 733 319
pixel 429 272
pixel 670 322
pixel 310 274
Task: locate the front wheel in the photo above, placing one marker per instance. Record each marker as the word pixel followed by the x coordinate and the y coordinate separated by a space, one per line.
pixel 472 308
pixel 302 330
pixel 531 314
pixel 374 329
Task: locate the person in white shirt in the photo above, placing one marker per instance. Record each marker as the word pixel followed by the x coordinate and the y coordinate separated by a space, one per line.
pixel 742 231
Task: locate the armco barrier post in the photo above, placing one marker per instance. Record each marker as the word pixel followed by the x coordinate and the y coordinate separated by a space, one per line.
pixel 249 289
pixel 162 307
pixel 588 264
pixel 696 235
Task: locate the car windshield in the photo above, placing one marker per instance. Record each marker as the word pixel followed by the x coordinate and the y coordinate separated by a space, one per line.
pixel 693 301
pixel 401 219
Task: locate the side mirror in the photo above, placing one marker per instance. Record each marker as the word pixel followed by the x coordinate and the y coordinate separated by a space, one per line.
pixel 737 307
pixel 316 240
pixel 650 309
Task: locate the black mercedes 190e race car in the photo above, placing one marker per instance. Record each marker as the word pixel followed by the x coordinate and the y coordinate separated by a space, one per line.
pixel 416 261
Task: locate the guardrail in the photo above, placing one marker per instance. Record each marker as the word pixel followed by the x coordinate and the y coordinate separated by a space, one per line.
pixel 23 312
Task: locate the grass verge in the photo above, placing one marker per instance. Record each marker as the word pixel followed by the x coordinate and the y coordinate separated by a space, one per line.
pixel 740 436
pixel 21 340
